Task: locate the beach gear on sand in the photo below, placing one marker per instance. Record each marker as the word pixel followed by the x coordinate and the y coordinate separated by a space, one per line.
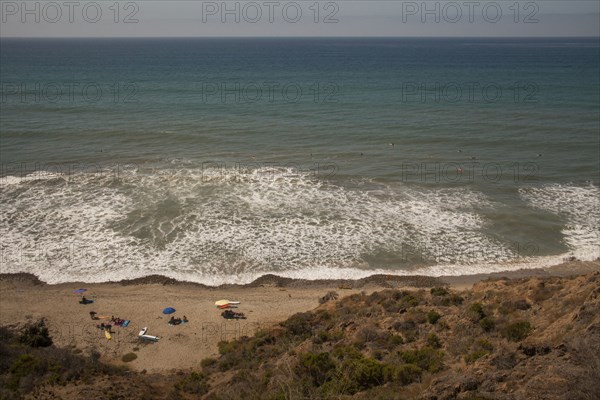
pixel 220 303
pixel 79 291
pixel 107 334
pixel 86 301
pixel 121 322
pixel 226 306
pixel 228 314
pixel 169 310
pixel 142 335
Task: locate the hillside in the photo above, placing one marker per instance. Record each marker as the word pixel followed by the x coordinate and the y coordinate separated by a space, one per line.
pixel 526 339
pixel 534 338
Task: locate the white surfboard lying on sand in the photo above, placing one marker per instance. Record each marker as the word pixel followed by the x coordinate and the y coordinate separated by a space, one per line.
pixel 142 335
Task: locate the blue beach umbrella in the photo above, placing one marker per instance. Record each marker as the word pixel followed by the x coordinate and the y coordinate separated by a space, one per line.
pixel 169 310
pixel 79 291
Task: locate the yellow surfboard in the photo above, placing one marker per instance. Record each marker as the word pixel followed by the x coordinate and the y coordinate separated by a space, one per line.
pixel 107 334
pixel 220 303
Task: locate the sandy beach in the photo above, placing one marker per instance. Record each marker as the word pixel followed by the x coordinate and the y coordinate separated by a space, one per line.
pixel 265 302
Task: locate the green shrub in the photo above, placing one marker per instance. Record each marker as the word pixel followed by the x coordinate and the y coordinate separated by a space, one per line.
pixel 452 300
pixel 509 307
pixel 26 364
pixel 365 372
pixel 475 355
pixel 439 291
pixel 23 369
pixel 433 341
pixel 239 353
pixel 194 383
pixel 391 306
pixel 321 337
pixel 346 353
pixel 54 371
pixel 395 340
pixel 35 335
pixel 208 362
pixel 408 373
pixel 319 367
pixel 27 368
pixel 487 324
pixel 426 358
pixel 377 297
pixel 408 328
pixel 409 301
pixel 129 357
pixel 403 326
pixel 371 334
pixel 378 355
pixel 226 347
pixel 227 362
pixel 485 345
pixel 433 316
pixel 299 324
pixel 477 310
pixel 481 348
pixel 517 331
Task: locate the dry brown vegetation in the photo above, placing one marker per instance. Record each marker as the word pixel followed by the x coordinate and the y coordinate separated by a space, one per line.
pixel 505 339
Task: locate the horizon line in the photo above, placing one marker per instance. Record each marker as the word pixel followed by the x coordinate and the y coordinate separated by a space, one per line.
pixel 300 37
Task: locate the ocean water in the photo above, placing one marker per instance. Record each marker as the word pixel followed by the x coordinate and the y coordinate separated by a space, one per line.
pixel 221 160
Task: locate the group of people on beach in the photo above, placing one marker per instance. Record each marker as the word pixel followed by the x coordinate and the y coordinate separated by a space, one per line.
pixel 177 321
pixel 116 321
pixel 105 327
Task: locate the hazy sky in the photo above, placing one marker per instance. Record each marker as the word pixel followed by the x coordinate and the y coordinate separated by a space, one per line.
pixel 103 18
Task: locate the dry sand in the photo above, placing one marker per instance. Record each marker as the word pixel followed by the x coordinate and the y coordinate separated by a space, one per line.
pixel 180 346
pixel 265 303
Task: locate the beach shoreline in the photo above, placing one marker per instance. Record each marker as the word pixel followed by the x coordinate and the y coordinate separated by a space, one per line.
pixel 566 268
pixel 266 302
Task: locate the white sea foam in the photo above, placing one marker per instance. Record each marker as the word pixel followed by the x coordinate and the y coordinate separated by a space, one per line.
pixel 579 206
pixel 41 175
pixel 218 226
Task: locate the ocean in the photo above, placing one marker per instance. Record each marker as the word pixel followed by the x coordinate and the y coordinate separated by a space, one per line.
pixel 222 160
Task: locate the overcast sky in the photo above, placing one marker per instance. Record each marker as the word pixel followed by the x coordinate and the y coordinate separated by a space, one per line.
pixel 109 18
